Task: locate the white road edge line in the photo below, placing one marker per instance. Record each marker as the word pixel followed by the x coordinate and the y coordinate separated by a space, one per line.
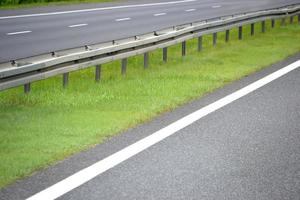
pixel 109 162
pixel 217 6
pixel 18 33
pixel 77 25
pixel 123 19
pixel 190 10
pixel 159 14
pixel 96 9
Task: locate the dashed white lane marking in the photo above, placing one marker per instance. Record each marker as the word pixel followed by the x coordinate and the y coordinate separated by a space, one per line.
pixel 159 14
pixel 217 6
pixel 18 33
pixel 109 162
pixel 123 19
pixel 190 10
pixel 77 25
pixel 97 9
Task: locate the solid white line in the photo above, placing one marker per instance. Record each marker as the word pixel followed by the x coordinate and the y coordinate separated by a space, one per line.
pixel 190 10
pixel 97 9
pixel 17 33
pixel 77 25
pixel 123 19
pixel 107 163
pixel 159 14
pixel 217 6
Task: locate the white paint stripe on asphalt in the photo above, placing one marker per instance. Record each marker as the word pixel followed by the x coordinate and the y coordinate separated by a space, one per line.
pixel 190 10
pixel 109 162
pixel 77 25
pixel 159 14
pixel 217 6
pixel 97 9
pixel 123 19
pixel 17 33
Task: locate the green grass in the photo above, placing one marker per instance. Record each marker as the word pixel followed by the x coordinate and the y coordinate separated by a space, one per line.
pixel 52 123
pixel 15 4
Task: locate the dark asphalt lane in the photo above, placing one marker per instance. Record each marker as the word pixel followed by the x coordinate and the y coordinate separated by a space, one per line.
pixel 52 33
pixel 249 149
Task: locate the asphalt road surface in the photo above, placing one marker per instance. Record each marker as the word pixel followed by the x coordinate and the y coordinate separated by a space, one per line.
pixel 25 33
pixel 248 149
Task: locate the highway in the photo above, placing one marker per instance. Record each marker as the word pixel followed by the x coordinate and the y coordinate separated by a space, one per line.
pixel 25 33
pixel 248 148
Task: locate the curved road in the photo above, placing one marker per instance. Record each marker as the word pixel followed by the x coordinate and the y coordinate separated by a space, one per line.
pixel 32 32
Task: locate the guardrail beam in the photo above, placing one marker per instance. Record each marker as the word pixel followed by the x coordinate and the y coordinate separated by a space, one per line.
pixel 240 32
pixel 215 37
pixel 183 48
pixel 200 41
pixel 146 60
pixel 263 26
pixel 227 34
pixel 98 73
pixel 252 29
pixel 65 79
pixel 26 88
pixel 165 54
pixel 124 66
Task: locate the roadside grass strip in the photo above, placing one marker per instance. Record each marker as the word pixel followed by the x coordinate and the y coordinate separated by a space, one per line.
pixel 51 123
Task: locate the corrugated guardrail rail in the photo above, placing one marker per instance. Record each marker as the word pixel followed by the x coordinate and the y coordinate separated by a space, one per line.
pixel 28 70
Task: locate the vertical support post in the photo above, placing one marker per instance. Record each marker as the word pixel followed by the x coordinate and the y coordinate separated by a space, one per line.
pixel 227 35
pixel 146 60
pixel 200 43
pixel 273 23
pixel 263 26
pixel 183 49
pixel 26 88
pixel 124 66
pixel 98 73
pixel 252 29
pixel 298 18
pixel 240 32
pixel 292 19
pixel 165 54
pixel 65 79
pixel 283 21
pixel 215 36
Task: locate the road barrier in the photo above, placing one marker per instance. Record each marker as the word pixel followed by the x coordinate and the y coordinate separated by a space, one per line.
pixel 28 70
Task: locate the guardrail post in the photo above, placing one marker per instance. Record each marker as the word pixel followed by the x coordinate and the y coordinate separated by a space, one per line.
pixel 98 73
pixel 252 29
pixel 183 49
pixel 263 26
pixel 65 79
pixel 124 66
pixel 215 36
pixel 292 19
pixel 298 18
pixel 283 21
pixel 146 60
pixel 240 32
pixel 200 43
pixel 273 23
pixel 165 54
pixel 26 88
pixel 227 35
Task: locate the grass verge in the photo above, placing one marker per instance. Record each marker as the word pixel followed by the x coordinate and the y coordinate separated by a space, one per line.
pixel 51 122
pixel 8 4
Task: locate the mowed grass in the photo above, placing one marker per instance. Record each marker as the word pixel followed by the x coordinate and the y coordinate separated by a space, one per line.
pixel 8 4
pixel 52 123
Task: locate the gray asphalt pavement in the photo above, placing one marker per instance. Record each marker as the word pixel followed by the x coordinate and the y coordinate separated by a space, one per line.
pixel 27 36
pixel 249 149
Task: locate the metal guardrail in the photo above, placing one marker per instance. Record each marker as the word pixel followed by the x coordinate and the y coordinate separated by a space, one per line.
pixel 28 70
